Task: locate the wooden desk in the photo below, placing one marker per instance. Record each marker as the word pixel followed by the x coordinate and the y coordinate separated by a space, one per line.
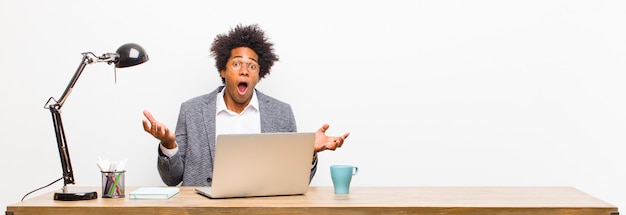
pixel 361 200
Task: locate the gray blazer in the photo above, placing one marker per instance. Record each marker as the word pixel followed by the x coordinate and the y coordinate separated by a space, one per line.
pixel 195 135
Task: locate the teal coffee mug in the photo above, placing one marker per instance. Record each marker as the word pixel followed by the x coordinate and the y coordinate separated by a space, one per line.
pixel 342 175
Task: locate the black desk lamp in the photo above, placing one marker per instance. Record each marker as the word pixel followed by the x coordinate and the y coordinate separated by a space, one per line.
pixel 126 55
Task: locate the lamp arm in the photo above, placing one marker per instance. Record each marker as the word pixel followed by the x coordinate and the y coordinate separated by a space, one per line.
pixel 86 60
pixel 55 110
pixel 64 153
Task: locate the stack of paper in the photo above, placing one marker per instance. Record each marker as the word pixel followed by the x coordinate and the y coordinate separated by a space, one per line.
pixel 154 193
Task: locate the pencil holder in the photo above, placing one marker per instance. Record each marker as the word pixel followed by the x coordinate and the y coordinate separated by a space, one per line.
pixel 113 184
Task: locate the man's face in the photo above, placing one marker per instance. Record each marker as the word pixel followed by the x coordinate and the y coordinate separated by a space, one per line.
pixel 241 76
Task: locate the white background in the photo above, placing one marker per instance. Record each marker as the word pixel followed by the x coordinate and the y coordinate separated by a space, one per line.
pixel 434 93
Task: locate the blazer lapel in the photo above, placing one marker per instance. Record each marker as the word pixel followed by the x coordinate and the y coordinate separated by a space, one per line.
pixel 208 113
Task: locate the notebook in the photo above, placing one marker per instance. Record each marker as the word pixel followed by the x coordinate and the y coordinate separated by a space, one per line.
pixel 263 164
pixel 154 193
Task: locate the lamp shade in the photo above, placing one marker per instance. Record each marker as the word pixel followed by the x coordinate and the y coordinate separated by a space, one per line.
pixel 130 54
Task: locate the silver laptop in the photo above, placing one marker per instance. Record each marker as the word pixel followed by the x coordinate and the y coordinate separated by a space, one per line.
pixel 265 164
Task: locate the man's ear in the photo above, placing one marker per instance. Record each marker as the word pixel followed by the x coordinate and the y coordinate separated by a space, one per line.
pixel 222 73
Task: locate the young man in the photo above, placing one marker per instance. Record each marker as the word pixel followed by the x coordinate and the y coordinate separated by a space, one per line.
pixel 243 57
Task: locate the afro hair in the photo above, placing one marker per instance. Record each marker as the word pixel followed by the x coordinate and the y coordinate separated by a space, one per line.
pixel 250 36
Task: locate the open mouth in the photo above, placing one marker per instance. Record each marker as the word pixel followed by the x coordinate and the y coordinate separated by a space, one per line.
pixel 242 87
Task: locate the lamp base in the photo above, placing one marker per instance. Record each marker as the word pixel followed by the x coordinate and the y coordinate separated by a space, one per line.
pixel 75 196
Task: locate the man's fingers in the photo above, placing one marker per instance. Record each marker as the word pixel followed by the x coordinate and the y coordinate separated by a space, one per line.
pixel 346 135
pixel 162 131
pixel 340 142
pixel 155 129
pixel 166 132
pixel 148 115
pixel 146 127
pixel 324 128
pixel 150 125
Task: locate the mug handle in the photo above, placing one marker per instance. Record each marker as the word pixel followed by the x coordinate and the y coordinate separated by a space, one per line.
pixel 355 170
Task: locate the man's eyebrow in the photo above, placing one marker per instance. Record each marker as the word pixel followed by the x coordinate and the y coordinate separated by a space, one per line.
pixel 253 59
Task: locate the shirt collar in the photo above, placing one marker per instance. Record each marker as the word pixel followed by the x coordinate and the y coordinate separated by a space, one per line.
pixel 221 104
